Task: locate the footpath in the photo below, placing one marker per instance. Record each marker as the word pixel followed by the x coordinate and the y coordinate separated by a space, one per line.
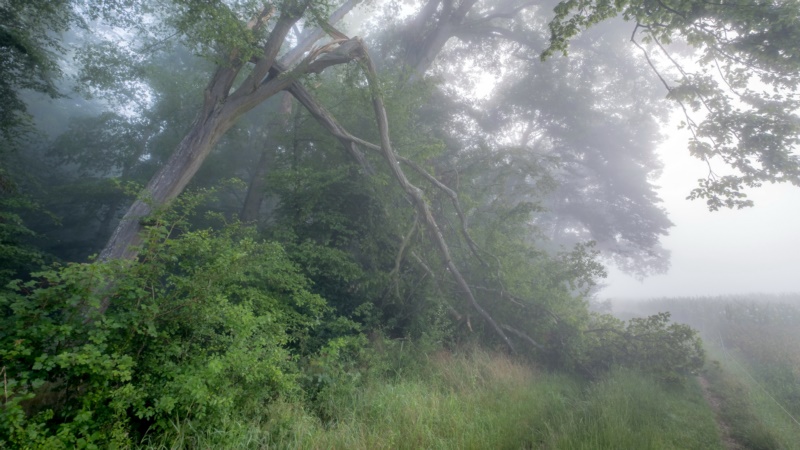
pixel 724 429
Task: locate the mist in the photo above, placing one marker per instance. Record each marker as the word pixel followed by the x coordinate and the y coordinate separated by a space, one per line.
pixel 728 252
pixel 399 224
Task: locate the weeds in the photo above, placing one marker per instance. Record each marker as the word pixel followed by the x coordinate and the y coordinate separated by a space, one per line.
pixel 474 400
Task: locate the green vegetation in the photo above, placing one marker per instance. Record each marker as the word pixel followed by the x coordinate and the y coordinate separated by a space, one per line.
pixel 200 330
pixel 234 224
pixel 754 367
pixel 218 328
pixel 750 423
pixel 474 399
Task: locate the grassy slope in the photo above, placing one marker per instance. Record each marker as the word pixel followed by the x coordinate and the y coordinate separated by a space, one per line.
pixel 756 420
pixel 480 400
pixel 754 369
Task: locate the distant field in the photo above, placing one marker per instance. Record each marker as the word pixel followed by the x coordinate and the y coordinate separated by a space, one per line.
pixel 753 344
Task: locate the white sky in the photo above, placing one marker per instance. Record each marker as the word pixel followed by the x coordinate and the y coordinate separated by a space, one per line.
pixel 754 250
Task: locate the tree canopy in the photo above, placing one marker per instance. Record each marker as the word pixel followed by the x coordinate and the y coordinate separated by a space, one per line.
pixel 332 170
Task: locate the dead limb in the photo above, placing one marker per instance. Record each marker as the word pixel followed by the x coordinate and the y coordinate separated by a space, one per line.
pixel 325 119
pixel 395 273
pixel 523 336
pixel 453 199
pixel 349 141
pixel 415 194
pixel 518 301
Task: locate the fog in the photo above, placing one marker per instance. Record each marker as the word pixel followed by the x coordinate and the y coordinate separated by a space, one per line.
pixel 248 224
pixel 752 250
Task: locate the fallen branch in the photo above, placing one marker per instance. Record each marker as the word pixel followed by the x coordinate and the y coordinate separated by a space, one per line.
pixel 414 193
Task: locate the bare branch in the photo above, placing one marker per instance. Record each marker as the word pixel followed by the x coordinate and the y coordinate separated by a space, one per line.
pixel 454 199
pixel 690 124
pixel 310 37
pixel 524 336
pixel 325 119
pixel 267 57
pixel 415 194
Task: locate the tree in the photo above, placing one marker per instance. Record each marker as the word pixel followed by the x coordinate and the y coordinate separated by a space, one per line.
pixel 30 48
pixel 26 47
pixel 746 84
pixel 428 33
pixel 243 40
pixel 223 104
pixel 558 118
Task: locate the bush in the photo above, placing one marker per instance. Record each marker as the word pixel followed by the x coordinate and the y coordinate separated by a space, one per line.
pixel 201 328
pixel 668 351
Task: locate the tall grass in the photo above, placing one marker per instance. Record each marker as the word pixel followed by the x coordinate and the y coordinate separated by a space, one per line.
pixel 758 419
pixel 756 343
pixel 628 411
pixel 478 400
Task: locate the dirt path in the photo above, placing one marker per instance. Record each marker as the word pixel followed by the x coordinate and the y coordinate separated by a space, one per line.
pixel 728 442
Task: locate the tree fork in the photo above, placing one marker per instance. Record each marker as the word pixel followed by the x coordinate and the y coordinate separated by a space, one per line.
pixel 221 108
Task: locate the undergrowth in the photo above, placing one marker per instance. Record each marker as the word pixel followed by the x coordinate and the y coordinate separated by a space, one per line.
pixel 476 399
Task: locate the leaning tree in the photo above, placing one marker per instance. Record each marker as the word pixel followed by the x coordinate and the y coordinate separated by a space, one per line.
pixel 739 96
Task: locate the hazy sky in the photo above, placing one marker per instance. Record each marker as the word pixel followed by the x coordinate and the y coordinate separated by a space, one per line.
pixel 723 252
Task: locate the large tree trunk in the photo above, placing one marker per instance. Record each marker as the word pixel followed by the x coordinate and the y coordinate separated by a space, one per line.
pixel 169 181
pixel 426 40
pixel 251 208
pixel 221 108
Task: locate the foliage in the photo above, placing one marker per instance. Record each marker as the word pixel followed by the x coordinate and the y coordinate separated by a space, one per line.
pixel 200 329
pixel 472 398
pixel 26 47
pixel 654 345
pixel 755 339
pixel 578 135
pixel 31 49
pixel 17 256
pixel 745 89
pixel 213 325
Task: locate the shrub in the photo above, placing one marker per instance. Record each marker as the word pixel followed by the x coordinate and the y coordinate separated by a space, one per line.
pixel 669 351
pixel 199 329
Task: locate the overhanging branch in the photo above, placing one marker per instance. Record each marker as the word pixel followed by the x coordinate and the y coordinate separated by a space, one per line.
pixel 416 196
